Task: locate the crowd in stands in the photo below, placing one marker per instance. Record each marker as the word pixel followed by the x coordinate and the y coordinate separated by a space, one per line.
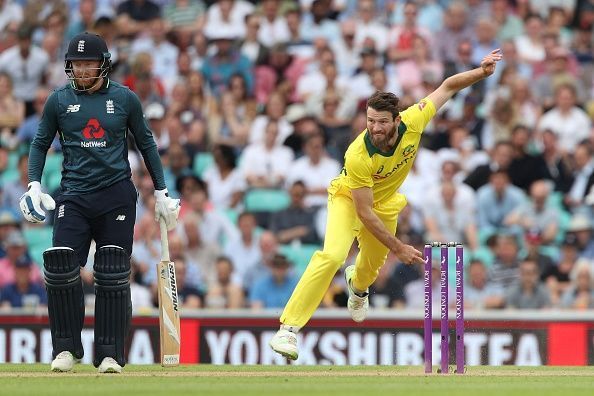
pixel 252 106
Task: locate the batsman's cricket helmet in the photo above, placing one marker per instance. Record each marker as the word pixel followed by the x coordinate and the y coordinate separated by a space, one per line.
pixel 87 46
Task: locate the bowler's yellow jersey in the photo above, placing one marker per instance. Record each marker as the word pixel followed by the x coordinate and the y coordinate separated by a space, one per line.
pixel 384 172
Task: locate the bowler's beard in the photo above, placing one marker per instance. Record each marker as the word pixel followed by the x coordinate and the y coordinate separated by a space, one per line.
pixel 384 143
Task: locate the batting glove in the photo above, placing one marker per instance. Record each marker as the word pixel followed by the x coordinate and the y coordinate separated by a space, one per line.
pixel 167 208
pixel 31 203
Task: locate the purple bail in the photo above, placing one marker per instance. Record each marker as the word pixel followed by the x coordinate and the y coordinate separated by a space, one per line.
pixel 443 289
pixel 459 309
pixel 427 325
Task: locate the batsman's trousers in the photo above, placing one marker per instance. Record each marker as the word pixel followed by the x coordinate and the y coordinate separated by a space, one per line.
pixel 343 226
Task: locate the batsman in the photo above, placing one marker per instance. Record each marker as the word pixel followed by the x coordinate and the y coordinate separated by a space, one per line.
pixel 97 200
pixel 364 202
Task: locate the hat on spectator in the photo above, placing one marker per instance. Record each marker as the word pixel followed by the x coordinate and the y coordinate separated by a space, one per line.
pixel 215 33
pixel 296 112
pixel 533 236
pixel 368 51
pixel 23 262
pixel 155 111
pixel 579 222
pixel 7 217
pixel 15 238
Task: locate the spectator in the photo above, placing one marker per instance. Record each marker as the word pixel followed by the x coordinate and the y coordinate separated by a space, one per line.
pixel 581 227
pixel 402 37
pixel 479 293
pixel 140 295
pixel 504 270
pixel 12 110
pixel 244 251
pixel 387 292
pixel 251 47
pixel 273 27
pixel 566 119
pixel 297 222
pixel 274 111
pixel 134 16
pixel 274 289
pixel 528 292
pixel 199 251
pixel 165 63
pixel 583 176
pixel 558 164
pixel 486 38
pixel 189 296
pixel 15 189
pixel 214 227
pixel 446 218
pixel 580 294
pixel 185 16
pixel 23 293
pixel 316 170
pixel 510 26
pixel 495 201
pixel 176 164
pixel 226 183
pixel 225 292
pixel 557 73
pixel 266 164
pixel 320 25
pixel 155 114
pixel 370 33
pixel 225 62
pixel 15 247
pixel 9 222
pixel 228 15
pixel 454 32
pixel 530 44
pixel 462 150
pixel 557 276
pixel 27 130
pixel 84 21
pixel 26 65
pixel 535 216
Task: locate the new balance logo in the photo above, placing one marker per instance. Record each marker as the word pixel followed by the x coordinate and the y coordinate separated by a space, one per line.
pixel 109 106
pixel 73 108
pixel 121 218
pixel 81 46
pixel 60 211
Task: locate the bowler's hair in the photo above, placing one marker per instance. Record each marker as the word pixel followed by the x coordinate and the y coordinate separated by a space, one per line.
pixel 384 101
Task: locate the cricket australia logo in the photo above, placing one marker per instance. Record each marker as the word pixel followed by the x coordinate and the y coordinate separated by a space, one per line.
pixel 408 149
pixel 109 106
pixel 81 46
pixel 73 108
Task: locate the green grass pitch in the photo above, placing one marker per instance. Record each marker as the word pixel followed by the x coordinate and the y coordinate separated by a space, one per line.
pixel 36 379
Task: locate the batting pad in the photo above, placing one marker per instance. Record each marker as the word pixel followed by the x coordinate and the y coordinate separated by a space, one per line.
pixel 65 300
pixel 113 307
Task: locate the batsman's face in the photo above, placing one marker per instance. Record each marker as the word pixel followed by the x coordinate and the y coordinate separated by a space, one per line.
pixel 381 126
pixel 86 72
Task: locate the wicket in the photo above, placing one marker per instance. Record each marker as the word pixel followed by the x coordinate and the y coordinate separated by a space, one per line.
pixel 444 308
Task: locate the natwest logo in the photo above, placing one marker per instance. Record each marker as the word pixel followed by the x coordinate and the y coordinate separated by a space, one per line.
pixel 93 130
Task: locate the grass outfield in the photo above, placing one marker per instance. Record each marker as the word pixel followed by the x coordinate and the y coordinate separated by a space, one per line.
pixel 36 379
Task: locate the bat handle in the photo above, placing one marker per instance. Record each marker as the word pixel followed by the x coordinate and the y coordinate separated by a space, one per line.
pixel 164 241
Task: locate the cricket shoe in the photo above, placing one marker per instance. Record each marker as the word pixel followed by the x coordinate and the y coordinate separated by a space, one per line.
pixel 109 365
pixel 63 362
pixel 285 343
pixel 357 305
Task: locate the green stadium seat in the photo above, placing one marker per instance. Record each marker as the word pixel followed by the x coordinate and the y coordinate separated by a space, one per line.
pixel 9 175
pixel 299 255
pixel 202 161
pixel 53 163
pixel 266 200
pixel 38 237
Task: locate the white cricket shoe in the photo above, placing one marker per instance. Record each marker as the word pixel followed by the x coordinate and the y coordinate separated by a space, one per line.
pixel 63 362
pixel 109 365
pixel 285 343
pixel 357 305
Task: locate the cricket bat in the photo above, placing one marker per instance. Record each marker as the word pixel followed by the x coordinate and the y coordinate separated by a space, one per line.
pixel 169 335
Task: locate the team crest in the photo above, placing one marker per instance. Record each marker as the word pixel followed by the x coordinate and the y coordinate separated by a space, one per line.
pixel 109 106
pixel 408 149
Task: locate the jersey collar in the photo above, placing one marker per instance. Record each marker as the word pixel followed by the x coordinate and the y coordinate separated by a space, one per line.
pixel 371 149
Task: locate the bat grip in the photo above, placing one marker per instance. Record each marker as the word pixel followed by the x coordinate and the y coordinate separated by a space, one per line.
pixel 164 241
